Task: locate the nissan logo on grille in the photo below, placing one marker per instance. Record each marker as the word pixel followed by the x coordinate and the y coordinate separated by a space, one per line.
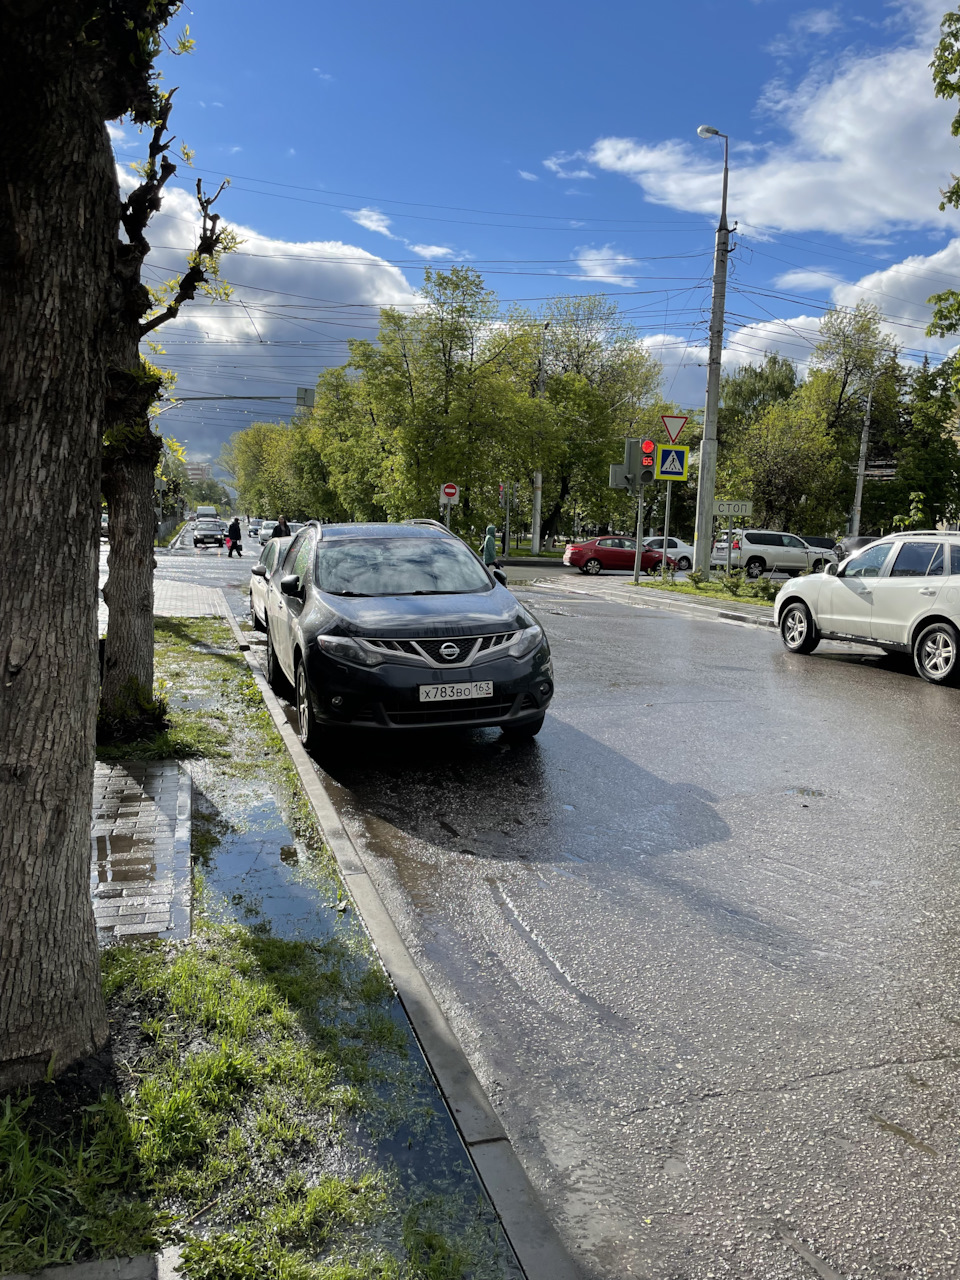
pixel 449 651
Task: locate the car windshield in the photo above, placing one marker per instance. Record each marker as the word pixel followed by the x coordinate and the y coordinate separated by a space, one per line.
pixel 209 524
pixel 398 567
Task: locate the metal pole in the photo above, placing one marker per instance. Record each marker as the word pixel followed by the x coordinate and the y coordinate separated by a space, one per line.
pixel 729 542
pixel 666 529
pixel 707 479
pixel 507 489
pixel 861 470
pixel 535 516
pixel 636 562
pixel 446 514
pixel 538 474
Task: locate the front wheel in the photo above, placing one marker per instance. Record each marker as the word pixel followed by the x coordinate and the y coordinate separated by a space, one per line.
pixel 684 563
pixel 755 567
pixel 797 629
pixel 819 566
pixel 936 654
pixel 592 566
pixel 307 725
pixel 523 732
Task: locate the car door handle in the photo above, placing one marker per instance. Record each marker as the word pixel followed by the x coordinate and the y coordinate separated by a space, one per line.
pixel 927 591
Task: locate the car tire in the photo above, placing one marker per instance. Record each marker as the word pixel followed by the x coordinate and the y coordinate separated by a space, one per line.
pixel 592 566
pixel 524 732
pixel 798 631
pixel 683 564
pixel 277 681
pixel 936 654
pixel 307 729
pixel 195 544
pixel 818 566
pixel 755 567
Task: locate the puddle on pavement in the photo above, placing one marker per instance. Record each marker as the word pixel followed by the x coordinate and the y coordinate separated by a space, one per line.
pixel 804 791
pixel 256 871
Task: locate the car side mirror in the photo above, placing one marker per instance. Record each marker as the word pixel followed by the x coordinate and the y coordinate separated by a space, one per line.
pixel 290 585
pixel 500 576
pixel 260 570
pixel 832 569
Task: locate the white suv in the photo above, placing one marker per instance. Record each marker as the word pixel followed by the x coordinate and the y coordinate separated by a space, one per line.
pixel 760 551
pixel 901 593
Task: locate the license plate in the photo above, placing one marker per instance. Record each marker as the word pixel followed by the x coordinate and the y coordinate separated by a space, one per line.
pixel 456 692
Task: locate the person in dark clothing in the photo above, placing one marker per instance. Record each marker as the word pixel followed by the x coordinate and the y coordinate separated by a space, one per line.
pixel 233 533
pixel 281 529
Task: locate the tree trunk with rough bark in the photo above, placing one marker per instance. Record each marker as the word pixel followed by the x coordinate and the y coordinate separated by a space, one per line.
pixel 128 488
pixel 58 233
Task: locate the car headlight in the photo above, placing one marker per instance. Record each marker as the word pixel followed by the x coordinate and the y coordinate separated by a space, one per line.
pixel 530 638
pixel 347 650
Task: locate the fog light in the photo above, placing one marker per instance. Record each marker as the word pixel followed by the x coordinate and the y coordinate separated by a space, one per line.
pixel 336 702
pixel 544 688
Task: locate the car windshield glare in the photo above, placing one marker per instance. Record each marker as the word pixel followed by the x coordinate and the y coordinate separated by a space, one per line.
pixel 398 567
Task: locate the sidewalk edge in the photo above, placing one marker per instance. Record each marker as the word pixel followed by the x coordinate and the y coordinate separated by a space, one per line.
pixel 532 1236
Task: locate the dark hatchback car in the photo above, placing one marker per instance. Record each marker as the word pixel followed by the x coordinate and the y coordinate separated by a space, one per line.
pixel 399 626
pixel 208 533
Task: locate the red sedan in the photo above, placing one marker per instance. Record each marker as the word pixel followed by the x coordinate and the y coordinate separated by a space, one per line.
pixel 612 553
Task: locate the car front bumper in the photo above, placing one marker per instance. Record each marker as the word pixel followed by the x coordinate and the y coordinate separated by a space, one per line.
pixel 387 697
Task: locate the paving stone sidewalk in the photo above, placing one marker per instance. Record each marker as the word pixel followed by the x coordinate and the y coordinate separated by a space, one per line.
pixel 140 850
pixel 173 599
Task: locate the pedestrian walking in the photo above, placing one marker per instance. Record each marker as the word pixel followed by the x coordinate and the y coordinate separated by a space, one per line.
pixel 234 539
pixel 490 547
pixel 281 529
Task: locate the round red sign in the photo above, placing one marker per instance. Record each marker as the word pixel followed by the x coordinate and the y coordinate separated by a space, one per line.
pixel 450 490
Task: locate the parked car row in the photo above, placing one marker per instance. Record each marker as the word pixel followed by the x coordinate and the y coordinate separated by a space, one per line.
pixel 759 551
pixel 397 626
pixel 900 593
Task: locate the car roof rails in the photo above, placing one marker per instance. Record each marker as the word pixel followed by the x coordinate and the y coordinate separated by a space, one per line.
pixel 434 524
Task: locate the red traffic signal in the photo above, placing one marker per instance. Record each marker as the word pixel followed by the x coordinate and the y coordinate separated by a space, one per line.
pixel 648 458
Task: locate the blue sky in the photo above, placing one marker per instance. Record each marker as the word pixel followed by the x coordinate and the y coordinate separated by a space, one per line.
pixel 553 147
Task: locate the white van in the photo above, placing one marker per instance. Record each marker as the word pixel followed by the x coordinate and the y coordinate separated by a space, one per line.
pixel 207 513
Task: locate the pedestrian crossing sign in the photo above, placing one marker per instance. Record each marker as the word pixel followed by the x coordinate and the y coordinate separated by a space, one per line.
pixel 672 461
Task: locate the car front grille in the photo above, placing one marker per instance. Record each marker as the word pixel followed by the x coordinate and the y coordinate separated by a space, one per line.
pixel 487 709
pixel 430 648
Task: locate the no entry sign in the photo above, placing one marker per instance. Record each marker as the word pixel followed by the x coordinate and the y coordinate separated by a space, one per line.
pixel 450 494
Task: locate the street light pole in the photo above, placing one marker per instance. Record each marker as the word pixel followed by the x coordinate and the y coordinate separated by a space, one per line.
pixel 538 474
pixel 707 480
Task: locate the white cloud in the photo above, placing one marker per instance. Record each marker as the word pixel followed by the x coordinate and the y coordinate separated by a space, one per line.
pixel 432 250
pixel 808 280
pixel 867 149
pixel 603 264
pixel 372 220
pixel 322 75
pixel 816 22
pixel 294 307
pixel 120 139
pixel 557 164
pixel 528 177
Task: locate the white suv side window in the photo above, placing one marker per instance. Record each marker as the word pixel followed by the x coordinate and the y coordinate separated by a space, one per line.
pixel 915 560
pixel 789 540
pixel 869 562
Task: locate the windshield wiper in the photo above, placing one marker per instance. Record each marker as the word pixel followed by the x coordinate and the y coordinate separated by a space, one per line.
pixel 364 594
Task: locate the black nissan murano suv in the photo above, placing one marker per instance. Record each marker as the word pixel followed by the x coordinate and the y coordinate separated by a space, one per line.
pixel 400 626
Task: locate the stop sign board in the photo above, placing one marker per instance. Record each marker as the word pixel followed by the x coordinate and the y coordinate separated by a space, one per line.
pixel 450 493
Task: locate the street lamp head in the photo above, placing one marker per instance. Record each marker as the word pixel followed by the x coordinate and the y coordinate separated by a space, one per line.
pixel 708 131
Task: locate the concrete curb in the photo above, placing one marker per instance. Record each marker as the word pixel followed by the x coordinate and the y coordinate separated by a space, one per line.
pixel 146 1266
pixel 531 1234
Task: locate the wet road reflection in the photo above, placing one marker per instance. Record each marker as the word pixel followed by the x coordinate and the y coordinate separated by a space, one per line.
pixel 699 940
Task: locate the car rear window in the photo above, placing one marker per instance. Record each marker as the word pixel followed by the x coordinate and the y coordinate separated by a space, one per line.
pixel 954 559
pixel 398 567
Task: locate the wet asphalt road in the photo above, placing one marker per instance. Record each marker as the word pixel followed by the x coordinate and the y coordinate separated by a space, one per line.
pixel 700 941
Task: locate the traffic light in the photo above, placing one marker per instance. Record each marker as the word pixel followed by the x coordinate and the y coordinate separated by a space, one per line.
pixel 648 459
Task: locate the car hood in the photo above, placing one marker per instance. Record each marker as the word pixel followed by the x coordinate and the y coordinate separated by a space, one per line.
pixel 407 617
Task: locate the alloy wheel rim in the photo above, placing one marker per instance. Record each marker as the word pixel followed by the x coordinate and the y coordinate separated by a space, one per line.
pixel 795 628
pixel 937 654
pixel 302 705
